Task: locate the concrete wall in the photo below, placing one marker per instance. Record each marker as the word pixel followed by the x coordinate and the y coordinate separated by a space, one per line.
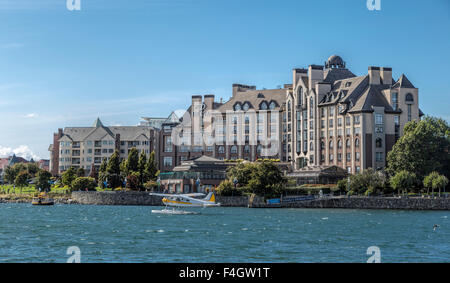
pixel 143 198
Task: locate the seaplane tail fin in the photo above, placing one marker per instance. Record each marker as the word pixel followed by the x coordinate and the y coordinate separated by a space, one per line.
pixel 210 197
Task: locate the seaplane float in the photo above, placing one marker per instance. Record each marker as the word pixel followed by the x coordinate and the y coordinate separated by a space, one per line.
pixel 176 201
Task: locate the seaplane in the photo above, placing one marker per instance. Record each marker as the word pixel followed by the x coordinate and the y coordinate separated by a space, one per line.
pixel 185 200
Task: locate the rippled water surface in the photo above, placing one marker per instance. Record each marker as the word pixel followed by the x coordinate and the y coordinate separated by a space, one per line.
pixel 133 234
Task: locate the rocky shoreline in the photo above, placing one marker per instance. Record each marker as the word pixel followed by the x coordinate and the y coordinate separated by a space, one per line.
pixel 28 199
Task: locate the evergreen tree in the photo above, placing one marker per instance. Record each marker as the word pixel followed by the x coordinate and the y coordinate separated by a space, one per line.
pixel 102 173
pixel 68 176
pixel 132 164
pixel 141 169
pixel 113 176
pixel 43 180
pixel 151 168
pixel 80 172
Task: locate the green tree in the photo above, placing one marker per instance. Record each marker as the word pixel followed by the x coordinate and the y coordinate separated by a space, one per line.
pixel 227 188
pixel 242 172
pixel 133 182
pixel 113 176
pixel 21 179
pixel 151 168
pixel 80 172
pixel 132 164
pixel 32 169
pixel 143 178
pixel 11 172
pixel 422 149
pixel 83 183
pixel 102 174
pixel 367 182
pixel 43 180
pixel 403 181
pixel 68 176
pixel 435 181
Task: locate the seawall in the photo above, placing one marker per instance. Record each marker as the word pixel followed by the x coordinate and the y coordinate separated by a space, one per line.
pixel 143 198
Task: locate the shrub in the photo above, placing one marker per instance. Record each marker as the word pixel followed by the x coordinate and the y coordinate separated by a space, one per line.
pixel 83 183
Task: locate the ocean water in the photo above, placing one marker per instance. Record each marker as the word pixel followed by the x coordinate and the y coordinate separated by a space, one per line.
pixel 134 234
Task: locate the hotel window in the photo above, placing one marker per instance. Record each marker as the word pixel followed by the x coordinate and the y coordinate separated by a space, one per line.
pixel 167 144
pixel 322 124
pixel 331 111
pixel 339 132
pixel 349 169
pixel 209 148
pixel 409 113
pixel 311 110
pixel 395 100
pixel 247 149
pixel 167 161
pixel 221 149
pixel 339 144
pixel 348 131
pixel 378 142
pixel 378 156
pixel 111 142
pixel 347 121
pixel 237 107
pixel 311 159
pixel 272 105
pixel 105 142
pixel 396 120
pixel 339 122
pixel 339 156
pixel 347 143
pixel 357 119
pixel 378 119
pixel 322 157
pixel 246 106
pixel 330 123
pixel 322 134
pixel 358 169
pixel 331 145
pixel 311 146
pixel 331 157
pixel 322 145
pixel 357 131
pixel 259 148
pixel 357 156
pixel 357 143
pixel 349 156
pixel 322 112
pixel 234 149
pixel 311 135
pixel 331 133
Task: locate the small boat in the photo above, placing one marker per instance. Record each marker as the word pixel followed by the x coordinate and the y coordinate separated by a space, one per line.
pixel 173 212
pixel 42 200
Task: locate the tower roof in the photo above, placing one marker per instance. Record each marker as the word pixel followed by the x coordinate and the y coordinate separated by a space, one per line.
pixel 97 123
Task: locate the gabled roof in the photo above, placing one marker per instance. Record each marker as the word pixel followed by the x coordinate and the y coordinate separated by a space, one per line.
pixel 97 123
pixel 403 82
pixel 332 75
pixel 370 98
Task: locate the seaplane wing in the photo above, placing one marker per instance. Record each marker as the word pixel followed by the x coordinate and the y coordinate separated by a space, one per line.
pixel 188 200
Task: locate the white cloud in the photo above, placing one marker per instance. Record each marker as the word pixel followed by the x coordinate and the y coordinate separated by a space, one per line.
pixel 31 115
pixel 21 151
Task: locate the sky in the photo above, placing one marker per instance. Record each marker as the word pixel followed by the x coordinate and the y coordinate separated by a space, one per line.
pixel 120 60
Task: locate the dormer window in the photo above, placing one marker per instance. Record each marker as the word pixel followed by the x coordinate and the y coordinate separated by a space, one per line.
pixel 348 84
pixel 237 107
pixel 263 106
pixel 272 105
pixel 246 106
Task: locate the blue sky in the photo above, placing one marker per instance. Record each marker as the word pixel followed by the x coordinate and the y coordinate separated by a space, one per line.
pixel 121 60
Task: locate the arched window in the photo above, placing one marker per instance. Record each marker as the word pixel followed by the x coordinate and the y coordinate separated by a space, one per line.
pixel 237 107
pixel 263 106
pixel 339 144
pixel 357 143
pixel 246 106
pixel 234 149
pixel 221 149
pixel 331 145
pixel 409 98
pixel 300 96
pixel 378 142
pixel 347 143
pixel 272 105
pixel 247 149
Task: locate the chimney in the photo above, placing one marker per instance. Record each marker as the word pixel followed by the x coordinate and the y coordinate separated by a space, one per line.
pixel 315 74
pixel 374 75
pixel 241 88
pixel 386 75
pixel 298 73
pixel 209 101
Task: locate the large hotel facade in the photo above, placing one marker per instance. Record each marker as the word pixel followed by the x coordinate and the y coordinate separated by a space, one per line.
pixel 327 116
